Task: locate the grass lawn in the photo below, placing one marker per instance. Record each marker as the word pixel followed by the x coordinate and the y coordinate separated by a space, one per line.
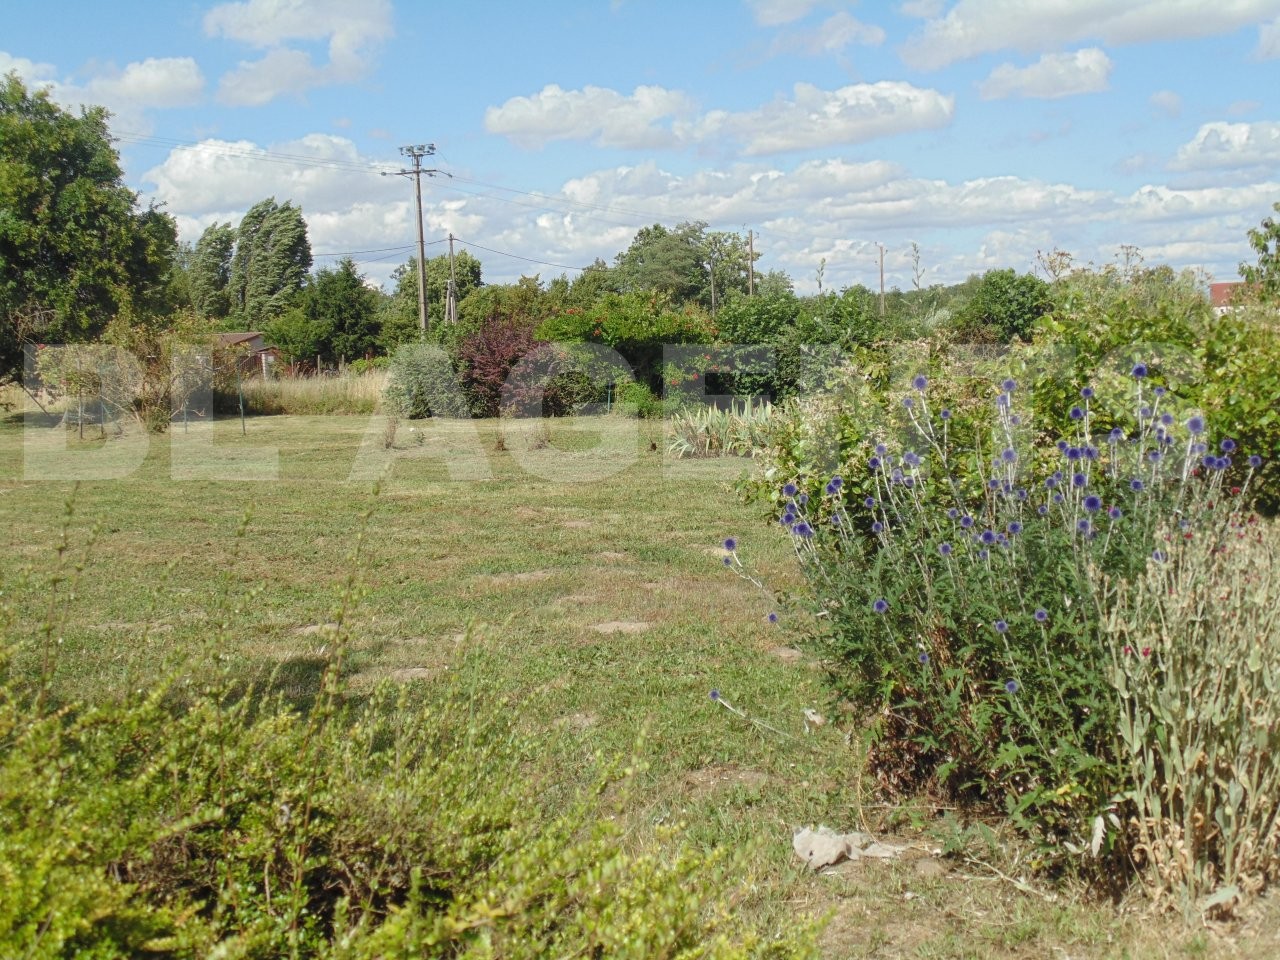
pixel 587 574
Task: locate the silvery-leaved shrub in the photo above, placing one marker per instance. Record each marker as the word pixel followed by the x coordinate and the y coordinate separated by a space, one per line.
pixel 960 589
pixel 1194 646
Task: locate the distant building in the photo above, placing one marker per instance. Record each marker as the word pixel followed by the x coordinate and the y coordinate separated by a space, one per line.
pixel 1227 297
pixel 252 349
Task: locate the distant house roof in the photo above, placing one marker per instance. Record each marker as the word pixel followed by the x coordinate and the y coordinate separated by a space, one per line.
pixel 245 339
pixel 1224 294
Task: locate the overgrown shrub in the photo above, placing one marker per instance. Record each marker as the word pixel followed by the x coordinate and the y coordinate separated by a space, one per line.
pixel 506 369
pixel 959 593
pixel 1194 647
pixel 421 382
pixel 639 399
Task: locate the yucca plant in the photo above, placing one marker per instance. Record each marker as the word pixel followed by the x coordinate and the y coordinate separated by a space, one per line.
pixel 712 432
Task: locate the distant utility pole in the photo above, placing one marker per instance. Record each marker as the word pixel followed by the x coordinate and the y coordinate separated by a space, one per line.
pixel 451 297
pixel 751 265
pixel 416 152
pixel 881 246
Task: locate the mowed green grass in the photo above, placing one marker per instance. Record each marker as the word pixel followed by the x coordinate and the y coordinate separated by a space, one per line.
pixel 580 565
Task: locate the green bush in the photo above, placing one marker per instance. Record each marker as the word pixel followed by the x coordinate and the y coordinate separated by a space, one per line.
pixel 421 382
pixel 638 398
pixel 960 592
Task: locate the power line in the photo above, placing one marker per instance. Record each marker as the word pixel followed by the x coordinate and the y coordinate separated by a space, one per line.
pixel 516 256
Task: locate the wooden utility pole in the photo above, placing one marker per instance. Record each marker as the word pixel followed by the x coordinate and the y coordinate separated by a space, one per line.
pixel 451 296
pixel 881 246
pixel 751 265
pixel 416 152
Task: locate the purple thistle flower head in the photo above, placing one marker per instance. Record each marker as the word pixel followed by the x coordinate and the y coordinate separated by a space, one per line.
pixel 1209 461
pixel 908 402
pixel 1001 626
pixel 1227 445
pixel 869 503
pixel 1158 556
pixel 911 458
pixel 1079 480
pixel 1011 687
pixel 1093 503
pixel 1042 510
pixel 730 544
pixel 1008 455
pixel 1153 455
pixel 945 414
pixel 1166 419
pixel 1016 420
pixel 909 481
pixel 1145 413
pixel 715 694
pixel 1195 426
pixel 1255 461
pixel 1083 525
pixel 837 481
pixel 983 554
pixel 802 499
pixel 881 605
pixel 993 484
pixel 831 491
pixel 1077 413
pixel 1062 445
pixel 1002 401
pixel 1087 393
pixel 1091 453
pixel 874 463
pixel 1009 385
pixel 944 549
pixel 1114 513
pixel 1199 448
pixel 966 522
pixel 1050 482
pixel 1074 454
pixel 953 513
pixel 1160 391
pixel 788 519
pixel 877 527
pixel 923 658
pixel 1014 527
pixel 1115 436
pixel 728 561
pixel 1058 498
pixel 881 449
pixel 988 537
pixel 1139 371
pixel 920 381
pixel 1041 614
pixel 1136 485
pixel 789 489
pixel 772 618
pixel 1223 463
pixel 802 530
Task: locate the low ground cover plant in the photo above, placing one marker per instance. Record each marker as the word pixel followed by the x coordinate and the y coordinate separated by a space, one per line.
pixel 200 817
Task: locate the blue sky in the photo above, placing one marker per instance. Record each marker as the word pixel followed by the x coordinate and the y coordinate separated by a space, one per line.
pixel 985 131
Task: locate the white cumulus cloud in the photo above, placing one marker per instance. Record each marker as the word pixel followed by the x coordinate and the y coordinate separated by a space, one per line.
pixel 1231 146
pixel 972 28
pixel 598 114
pixel 354 33
pixel 815 118
pixel 1053 75
pixel 1269 40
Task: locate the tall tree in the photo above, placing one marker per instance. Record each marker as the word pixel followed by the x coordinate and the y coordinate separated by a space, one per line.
pixel 673 262
pixel 209 271
pixel 1265 275
pixel 400 322
pixel 336 316
pixel 270 263
pixel 74 248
